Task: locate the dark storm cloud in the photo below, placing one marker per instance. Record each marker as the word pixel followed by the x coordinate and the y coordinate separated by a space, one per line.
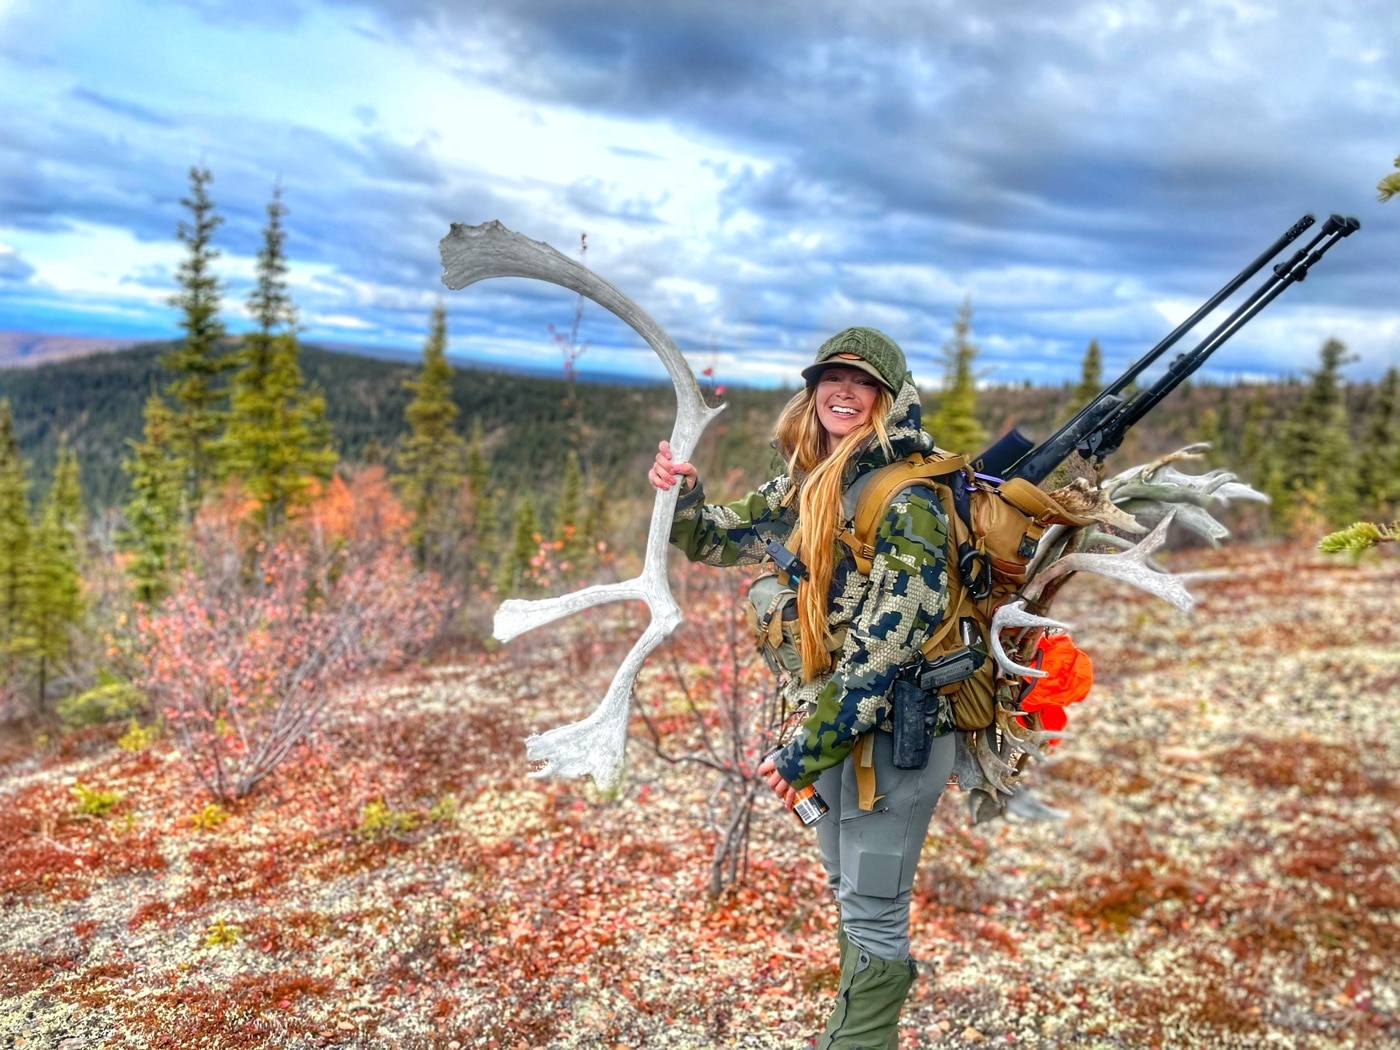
pixel 1072 167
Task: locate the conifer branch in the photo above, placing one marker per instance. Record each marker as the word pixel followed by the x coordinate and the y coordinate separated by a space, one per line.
pixel 1359 537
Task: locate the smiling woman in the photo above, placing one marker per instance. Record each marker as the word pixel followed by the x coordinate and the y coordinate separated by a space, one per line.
pixel 858 412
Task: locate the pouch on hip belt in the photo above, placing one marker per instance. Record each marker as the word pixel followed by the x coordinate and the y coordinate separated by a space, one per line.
pixel 912 736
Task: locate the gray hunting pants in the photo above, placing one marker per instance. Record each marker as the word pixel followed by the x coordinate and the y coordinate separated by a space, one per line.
pixel 870 857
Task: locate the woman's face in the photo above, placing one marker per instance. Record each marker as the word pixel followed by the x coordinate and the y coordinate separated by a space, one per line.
pixel 845 397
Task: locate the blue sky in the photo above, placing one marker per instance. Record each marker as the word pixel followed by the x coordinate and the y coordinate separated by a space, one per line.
pixel 756 176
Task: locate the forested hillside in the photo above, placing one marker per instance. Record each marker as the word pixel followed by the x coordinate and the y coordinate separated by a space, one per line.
pixel 529 424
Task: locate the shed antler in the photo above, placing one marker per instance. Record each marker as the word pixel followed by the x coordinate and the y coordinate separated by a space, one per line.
pixel 594 746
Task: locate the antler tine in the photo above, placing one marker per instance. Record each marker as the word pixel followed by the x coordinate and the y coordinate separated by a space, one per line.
pixel 1013 614
pixel 1034 741
pixel 995 769
pixel 595 745
pixel 1130 566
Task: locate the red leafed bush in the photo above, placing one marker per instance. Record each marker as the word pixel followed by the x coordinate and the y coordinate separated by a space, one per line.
pixel 258 633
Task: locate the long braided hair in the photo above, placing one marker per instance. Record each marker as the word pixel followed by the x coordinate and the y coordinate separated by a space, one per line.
pixel 817 478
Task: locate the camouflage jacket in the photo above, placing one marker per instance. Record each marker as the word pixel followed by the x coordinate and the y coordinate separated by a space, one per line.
pixel 887 615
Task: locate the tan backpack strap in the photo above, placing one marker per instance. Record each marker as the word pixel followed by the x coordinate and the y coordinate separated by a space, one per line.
pixel 864 758
pixel 951 616
pixel 884 484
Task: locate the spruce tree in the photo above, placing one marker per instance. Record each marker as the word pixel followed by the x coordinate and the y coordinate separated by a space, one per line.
pixel 431 455
pixel 276 440
pixel 1378 466
pixel 483 502
pixel 955 425
pixel 1207 429
pixel 197 361
pixel 155 513
pixel 57 604
pixel 16 548
pixel 1254 437
pixel 1314 455
pixel 568 519
pixel 523 548
pixel 595 524
pixel 1090 379
pixel 1228 448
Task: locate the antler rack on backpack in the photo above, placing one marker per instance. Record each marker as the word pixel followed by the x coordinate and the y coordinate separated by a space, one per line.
pixel 993 532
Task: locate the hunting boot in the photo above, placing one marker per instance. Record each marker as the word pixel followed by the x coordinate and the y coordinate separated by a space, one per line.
pixel 868 1000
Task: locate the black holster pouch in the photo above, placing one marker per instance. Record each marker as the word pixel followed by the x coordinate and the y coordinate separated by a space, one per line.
pixel 909 720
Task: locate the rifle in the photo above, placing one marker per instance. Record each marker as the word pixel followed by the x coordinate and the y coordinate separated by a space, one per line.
pixel 1098 428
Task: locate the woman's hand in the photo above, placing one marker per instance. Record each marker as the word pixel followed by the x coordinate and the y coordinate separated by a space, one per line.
pixel 781 787
pixel 663 472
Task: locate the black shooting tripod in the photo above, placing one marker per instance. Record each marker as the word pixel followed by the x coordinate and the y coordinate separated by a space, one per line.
pixel 1099 427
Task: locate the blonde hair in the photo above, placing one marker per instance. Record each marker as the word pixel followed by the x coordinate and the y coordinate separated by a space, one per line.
pixel 817 476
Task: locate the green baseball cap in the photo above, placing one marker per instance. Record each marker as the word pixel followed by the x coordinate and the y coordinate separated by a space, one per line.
pixel 867 349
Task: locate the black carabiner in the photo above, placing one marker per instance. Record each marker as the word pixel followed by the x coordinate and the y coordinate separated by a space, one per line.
pixel 977 579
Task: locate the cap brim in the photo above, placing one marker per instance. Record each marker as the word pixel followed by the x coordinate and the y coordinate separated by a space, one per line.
pixel 812 372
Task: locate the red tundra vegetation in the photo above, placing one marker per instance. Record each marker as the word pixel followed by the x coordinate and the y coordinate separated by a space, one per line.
pixel 1225 875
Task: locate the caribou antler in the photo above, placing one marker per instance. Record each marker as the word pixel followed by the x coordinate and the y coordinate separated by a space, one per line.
pixel 594 746
pixel 1157 495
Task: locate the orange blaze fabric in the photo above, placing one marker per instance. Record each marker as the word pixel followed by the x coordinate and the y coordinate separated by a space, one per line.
pixel 1069 675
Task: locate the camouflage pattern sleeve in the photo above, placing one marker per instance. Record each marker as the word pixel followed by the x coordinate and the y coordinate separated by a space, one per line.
pixel 902 606
pixel 734 533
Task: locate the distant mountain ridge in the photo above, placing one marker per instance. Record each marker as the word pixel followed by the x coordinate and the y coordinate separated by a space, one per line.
pixel 29 349
pixel 23 349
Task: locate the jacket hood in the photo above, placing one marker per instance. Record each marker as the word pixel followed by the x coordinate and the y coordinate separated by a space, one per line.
pixel 904 425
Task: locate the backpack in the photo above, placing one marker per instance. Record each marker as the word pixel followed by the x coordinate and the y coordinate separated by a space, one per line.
pixel 993 530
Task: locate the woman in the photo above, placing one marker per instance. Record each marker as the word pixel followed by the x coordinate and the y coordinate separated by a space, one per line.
pixel 858 412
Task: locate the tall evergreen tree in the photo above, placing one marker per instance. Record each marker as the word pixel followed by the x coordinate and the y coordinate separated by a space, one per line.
pixel 1090 379
pixel 1228 447
pixel 1253 436
pixel 1206 428
pixel 595 524
pixel 155 513
pixel 955 425
pixel 483 515
pixel 16 548
pixel 197 361
pixel 568 518
pixel 524 546
pixel 431 455
pixel 276 440
pixel 1314 455
pixel 57 604
pixel 1378 465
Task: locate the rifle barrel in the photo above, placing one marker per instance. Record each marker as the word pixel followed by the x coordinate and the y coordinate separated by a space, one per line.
pixel 1091 416
pixel 1285 273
